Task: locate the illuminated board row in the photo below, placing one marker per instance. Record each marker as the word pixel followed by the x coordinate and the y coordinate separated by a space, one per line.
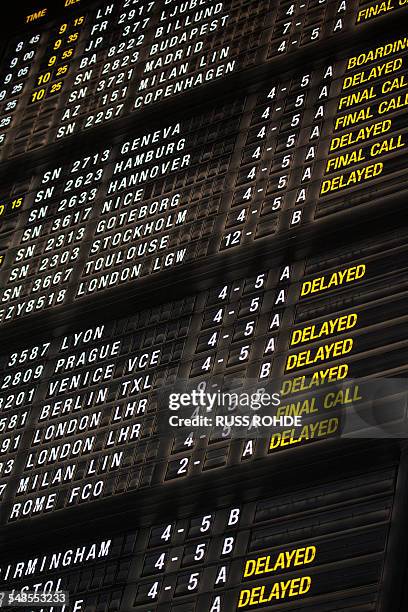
pixel 83 412
pixel 297 548
pixel 104 61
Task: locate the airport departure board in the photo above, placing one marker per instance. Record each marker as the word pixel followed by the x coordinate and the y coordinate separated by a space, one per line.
pixel 203 200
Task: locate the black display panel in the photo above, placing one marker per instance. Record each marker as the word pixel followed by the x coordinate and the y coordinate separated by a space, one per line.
pixel 198 197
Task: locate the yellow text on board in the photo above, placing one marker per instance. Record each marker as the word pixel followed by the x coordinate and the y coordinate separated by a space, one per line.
pixel 279 590
pixel 35 16
pixel 284 560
